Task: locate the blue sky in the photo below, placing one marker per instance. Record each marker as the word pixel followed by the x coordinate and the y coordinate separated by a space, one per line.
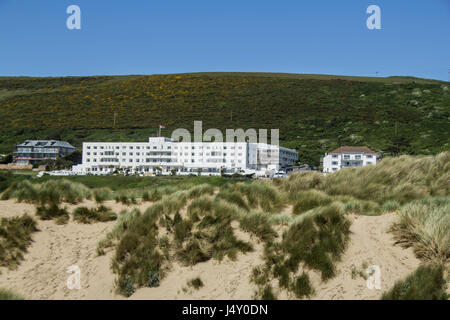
pixel 174 36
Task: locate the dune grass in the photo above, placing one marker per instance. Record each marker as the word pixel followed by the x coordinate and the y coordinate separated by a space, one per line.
pixel 53 212
pixel 424 225
pixel 258 223
pixel 99 214
pixel 49 192
pixel 100 195
pixel 262 195
pixel 426 283
pixel 316 241
pixel 195 283
pixel 15 237
pixel 309 199
pixel 9 295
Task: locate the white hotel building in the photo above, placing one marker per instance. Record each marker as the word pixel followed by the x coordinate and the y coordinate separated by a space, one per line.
pixel 344 157
pixel 166 155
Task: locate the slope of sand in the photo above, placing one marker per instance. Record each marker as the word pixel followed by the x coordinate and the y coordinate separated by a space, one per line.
pixel 370 243
pixel 42 275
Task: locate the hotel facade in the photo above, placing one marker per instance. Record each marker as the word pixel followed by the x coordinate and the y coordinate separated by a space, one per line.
pixel 345 157
pixel 164 155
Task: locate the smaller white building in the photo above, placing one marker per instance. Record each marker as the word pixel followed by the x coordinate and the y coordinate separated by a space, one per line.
pixel 346 156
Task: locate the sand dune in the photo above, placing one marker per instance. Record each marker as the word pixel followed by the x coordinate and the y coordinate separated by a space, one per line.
pixel 42 275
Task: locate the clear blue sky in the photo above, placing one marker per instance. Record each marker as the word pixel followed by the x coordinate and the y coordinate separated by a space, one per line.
pixel 174 36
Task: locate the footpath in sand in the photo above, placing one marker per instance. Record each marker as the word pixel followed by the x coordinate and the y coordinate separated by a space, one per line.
pixel 43 273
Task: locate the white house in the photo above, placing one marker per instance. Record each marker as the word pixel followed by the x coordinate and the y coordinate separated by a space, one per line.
pixel 348 157
pixel 165 155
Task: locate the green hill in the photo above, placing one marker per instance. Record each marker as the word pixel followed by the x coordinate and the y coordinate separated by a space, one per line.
pixel 315 113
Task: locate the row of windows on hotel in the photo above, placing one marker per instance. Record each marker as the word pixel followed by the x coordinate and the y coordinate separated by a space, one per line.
pixel 111 153
pixel 357 156
pixel 162 147
pixel 163 160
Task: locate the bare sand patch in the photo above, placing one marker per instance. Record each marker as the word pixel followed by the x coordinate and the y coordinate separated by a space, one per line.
pixel 371 243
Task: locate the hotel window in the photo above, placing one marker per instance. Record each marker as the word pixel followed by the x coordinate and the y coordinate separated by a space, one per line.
pixel 334 163
pixel 346 157
pixel 369 156
pixel 131 153
pixel 88 147
pixel 334 155
pixel 358 157
pixel 131 147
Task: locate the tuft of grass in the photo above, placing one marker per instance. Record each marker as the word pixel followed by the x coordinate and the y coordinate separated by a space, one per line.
pixel 9 295
pixel 195 283
pixel 363 207
pixel 126 198
pixel 53 211
pixel 262 195
pixel 309 199
pixel 426 283
pixel 268 294
pixel 192 253
pixel 390 206
pixel 15 237
pixel 49 192
pixel 317 240
pixel 257 222
pixel 233 197
pixel 99 214
pixel 102 194
pixel 137 253
pixel 424 225
pixel 301 287
pixel 203 189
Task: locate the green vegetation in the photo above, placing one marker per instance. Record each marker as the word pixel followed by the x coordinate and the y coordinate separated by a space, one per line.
pixel 317 113
pixel 53 211
pixel 9 295
pixel 426 283
pixel 195 283
pixel 15 237
pixel 424 225
pixel 48 192
pixel 302 286
pixel 99 214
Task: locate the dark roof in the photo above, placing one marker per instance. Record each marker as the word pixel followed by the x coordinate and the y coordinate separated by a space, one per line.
pixel 46 144
pixel 348 149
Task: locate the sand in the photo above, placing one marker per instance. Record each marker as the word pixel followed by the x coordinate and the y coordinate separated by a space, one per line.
pixel 42 274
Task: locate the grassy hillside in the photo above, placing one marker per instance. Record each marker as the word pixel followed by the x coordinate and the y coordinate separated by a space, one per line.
pixel 315 113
